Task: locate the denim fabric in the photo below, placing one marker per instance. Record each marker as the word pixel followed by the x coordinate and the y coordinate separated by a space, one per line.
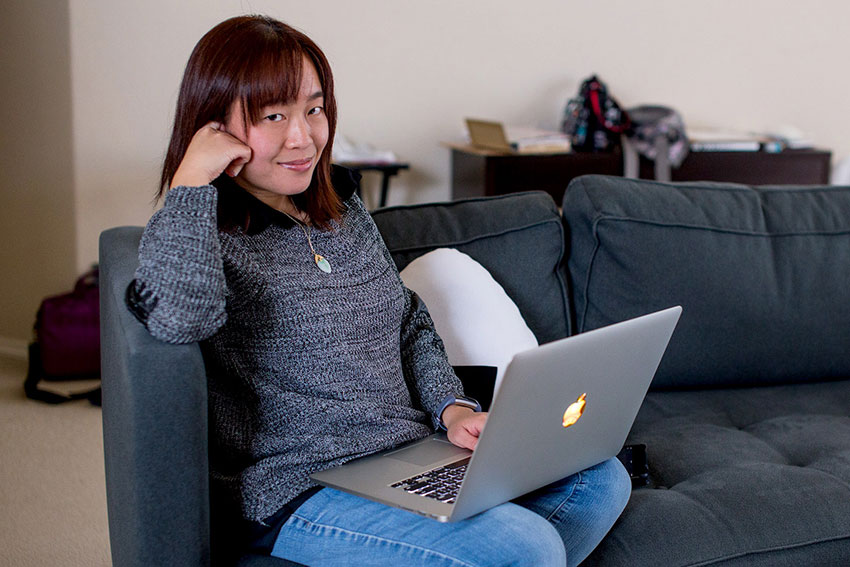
pixel 557 525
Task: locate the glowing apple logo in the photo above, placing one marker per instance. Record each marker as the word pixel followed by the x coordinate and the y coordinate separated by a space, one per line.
pixel 574 412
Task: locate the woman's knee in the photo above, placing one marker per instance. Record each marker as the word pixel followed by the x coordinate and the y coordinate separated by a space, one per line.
pixel 614 479
pixel 608 489
pixel 540 546
pixel 524 539
pixel 597 501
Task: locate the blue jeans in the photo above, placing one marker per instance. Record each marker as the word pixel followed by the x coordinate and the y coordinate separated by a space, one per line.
pixel 559 524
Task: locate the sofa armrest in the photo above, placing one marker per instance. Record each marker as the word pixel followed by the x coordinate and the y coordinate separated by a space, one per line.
pixel 154 428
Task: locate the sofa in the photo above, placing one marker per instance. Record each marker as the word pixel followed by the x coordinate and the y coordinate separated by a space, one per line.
pixel 746 426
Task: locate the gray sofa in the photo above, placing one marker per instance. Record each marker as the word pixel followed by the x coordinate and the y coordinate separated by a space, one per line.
pixel 747 425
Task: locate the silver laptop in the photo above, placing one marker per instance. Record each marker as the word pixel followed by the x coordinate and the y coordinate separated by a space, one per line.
pixel 560 408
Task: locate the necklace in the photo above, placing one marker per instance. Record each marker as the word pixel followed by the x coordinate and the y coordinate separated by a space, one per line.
pixel 320 260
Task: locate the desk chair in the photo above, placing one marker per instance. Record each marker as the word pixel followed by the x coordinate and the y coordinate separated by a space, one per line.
pixel 154 433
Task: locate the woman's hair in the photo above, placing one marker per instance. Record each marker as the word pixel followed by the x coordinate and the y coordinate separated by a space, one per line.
pixel 258 61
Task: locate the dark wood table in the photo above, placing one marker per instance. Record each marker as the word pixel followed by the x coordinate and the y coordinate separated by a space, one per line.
pixel 477 172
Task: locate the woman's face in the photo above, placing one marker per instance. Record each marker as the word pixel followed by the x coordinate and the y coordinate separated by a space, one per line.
pixel 286 143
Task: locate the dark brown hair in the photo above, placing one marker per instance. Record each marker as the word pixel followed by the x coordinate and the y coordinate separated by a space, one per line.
pixel 258 61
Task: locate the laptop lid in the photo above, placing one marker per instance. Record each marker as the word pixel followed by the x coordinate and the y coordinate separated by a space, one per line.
pixel 561 408
pixel 487 134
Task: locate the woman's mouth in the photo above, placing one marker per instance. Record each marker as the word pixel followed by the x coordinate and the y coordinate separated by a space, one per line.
pixel 298 165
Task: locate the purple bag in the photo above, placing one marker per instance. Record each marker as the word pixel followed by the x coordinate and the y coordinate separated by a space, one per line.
pixel 67 345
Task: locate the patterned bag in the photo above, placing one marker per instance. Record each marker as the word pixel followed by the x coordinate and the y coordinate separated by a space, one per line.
pixel 593 119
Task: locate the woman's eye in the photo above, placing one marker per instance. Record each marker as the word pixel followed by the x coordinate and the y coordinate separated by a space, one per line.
pixel 315 110
pixel 274 117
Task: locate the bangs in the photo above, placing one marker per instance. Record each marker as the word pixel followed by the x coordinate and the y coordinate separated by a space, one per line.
pixel 273 77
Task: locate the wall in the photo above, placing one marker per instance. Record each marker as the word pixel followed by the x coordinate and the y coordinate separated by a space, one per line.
pixel 408 73
pixel 38 253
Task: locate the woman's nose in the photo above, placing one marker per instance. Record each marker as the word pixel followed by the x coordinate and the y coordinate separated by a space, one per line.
pixel 298 134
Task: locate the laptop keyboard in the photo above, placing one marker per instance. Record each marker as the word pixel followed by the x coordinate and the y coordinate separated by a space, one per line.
pixel 442 483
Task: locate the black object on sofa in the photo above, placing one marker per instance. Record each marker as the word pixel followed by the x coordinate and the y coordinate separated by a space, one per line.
pixel 746 427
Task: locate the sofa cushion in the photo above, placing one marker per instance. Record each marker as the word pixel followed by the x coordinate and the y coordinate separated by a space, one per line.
pixel 479 324
pixel 762 273
pixel 518 238
pixel 747 476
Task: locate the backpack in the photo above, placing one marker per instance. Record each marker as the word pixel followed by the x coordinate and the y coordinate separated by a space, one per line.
pixel 593 119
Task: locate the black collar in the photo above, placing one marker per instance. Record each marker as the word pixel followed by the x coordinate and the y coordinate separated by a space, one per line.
pixel 260 215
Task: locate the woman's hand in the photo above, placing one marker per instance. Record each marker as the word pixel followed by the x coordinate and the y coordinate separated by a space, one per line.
pixel 211 152
pixel 463 425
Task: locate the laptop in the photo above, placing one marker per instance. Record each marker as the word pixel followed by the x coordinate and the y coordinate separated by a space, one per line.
pixel 495 136
pixel 560 408
pixel 489 135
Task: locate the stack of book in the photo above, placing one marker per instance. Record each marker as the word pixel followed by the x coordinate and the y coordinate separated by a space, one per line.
pixel 533 140
pixel 714 140
pixel 709 140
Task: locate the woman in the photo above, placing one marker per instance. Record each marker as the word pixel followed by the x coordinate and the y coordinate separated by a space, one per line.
pixel 316 353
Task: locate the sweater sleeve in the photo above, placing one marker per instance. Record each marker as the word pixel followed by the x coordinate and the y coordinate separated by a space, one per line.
pixel 179 288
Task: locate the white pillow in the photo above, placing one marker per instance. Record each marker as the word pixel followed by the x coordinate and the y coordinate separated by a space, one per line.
pixel 478 322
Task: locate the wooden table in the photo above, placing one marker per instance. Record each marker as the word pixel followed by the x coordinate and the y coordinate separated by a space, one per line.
pixel 477 172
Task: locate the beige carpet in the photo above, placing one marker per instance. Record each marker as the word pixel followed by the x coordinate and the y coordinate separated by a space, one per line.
pixel 52 495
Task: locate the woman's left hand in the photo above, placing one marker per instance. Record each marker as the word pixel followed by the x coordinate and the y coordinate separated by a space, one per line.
pixel 464 426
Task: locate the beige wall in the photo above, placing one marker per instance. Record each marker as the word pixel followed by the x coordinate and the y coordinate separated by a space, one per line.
pixel 407 75
pixel 38 253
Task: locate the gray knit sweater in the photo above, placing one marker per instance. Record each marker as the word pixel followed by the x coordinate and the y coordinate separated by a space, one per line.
pixel 306 370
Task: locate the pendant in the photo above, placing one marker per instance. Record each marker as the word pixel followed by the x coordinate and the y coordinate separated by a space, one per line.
pixel 323 264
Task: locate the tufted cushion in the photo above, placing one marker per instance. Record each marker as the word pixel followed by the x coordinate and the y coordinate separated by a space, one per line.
pixel 762 273
pixel 518 238
pixel 753 476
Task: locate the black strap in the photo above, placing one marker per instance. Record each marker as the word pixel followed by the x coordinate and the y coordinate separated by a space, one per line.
pixel 35 374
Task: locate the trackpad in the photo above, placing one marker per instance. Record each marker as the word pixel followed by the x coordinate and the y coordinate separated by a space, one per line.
pixel 431 451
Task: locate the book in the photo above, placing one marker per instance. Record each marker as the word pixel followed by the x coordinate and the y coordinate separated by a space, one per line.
pixel 710 140
pixel 534 140
pixel 791 138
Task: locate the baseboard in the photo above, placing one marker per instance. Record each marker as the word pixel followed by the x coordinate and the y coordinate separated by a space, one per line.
pixel 13 348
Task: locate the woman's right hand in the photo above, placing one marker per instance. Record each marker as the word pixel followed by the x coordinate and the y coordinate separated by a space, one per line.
pixel 211 152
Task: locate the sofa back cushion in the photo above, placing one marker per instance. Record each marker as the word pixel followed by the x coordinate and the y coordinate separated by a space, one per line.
pixel 762 274
pixel 518 238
